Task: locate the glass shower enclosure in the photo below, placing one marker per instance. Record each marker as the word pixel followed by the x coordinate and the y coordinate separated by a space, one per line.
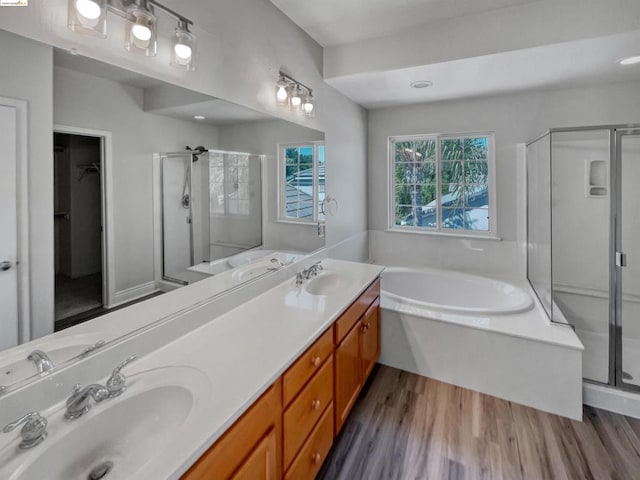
pixel 211 208
pixel 583 226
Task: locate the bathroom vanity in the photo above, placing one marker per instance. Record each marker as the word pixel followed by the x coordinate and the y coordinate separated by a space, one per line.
pixel 288 432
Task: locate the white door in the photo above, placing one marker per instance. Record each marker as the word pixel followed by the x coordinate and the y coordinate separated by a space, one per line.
pixel 8 228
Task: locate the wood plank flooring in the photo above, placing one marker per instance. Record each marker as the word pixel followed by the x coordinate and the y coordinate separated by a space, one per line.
pixel 407 427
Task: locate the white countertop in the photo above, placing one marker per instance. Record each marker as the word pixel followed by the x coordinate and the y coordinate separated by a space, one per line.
pixel 243 352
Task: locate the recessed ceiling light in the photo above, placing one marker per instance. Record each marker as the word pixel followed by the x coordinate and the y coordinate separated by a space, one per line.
pixel 421 84
pixel 199 117
pixel 630 60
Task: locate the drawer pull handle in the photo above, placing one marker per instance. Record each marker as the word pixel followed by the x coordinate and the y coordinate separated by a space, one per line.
pixel 316 457
pixel 365 327
pixel 315 361
pixel 315 404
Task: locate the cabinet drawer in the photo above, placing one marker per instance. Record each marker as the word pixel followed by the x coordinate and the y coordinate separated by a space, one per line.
pixel 348 319
pixel 314 451
pixel 306 409
pixel 306 366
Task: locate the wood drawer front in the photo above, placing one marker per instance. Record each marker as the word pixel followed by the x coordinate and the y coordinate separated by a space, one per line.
pixel 314 451
pixel 306 366
pixel 348 319
pixel 261 464
pixel 306 409
pixel 239 441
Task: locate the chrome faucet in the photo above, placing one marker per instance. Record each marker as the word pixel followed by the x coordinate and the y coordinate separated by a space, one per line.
pixel 306 274
pixel 33 432
pixel 42 361
pixel 79 402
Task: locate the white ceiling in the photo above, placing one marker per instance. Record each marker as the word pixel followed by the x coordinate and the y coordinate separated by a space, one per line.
pixel 569 64
pixel 336 22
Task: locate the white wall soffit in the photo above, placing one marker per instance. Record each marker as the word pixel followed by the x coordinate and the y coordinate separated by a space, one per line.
pixel 570 64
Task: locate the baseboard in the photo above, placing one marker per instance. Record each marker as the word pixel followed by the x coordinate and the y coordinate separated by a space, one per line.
pixel 133 293
pixel 611 399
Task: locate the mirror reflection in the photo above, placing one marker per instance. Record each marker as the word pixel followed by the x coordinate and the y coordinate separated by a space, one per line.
pixel 156 187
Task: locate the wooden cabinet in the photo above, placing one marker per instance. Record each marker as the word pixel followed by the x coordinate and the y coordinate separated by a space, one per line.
pixel 248 446
pixel 348 375
pixel 262 462
pixel 356 353
pixel 370 338
pixel 287 433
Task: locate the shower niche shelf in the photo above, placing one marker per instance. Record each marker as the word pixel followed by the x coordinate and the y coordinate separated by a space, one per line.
pixel 596 179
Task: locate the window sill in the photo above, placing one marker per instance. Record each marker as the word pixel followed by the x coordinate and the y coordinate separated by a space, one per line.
pixel 440 233
pixel 303 223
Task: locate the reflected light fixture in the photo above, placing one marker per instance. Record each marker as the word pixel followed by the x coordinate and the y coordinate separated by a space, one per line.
pixel 141 34
pixel 90 17
pixel 630 60
pixel 184 47
pixel 295 95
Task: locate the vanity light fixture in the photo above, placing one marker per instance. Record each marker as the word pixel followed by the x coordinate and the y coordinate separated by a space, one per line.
pixel 184 47
pixel 295 95
pixel 90 17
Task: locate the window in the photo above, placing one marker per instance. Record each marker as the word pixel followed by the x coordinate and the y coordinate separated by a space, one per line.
pixel 443 183
pixel 301 182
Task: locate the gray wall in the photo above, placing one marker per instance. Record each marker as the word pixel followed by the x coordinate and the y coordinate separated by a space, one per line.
pixel 242 46
pixel 27 74
pixel 86 101
pixel 515 119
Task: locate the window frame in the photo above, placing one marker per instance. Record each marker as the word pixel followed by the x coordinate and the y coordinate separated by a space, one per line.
pixel 439 230
pixel 282 207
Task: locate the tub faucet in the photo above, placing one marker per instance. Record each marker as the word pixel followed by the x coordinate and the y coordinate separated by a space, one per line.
pixel 42 361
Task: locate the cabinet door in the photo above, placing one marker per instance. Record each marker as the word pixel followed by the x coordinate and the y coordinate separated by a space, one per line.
pixel 370 338
pixel 348 374
pixel 261 464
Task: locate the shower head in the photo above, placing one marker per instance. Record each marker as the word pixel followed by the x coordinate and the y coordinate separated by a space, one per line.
pixel 197 150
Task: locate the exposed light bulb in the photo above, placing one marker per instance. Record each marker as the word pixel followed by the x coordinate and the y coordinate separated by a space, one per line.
pixel 308 107
pixel 141 32
pixel 296 101
pixel 630 60
pixel 182 51
pixel 88 9
pixel 282 94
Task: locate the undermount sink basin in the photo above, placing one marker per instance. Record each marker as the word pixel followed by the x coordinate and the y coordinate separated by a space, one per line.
pixel 325 284
pixel 119 435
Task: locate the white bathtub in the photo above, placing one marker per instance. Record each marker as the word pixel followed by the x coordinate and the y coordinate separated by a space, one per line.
pixel 479 333
pixel 447 291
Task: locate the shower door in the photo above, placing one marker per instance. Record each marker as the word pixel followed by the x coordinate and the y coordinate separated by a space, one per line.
pixel 627 261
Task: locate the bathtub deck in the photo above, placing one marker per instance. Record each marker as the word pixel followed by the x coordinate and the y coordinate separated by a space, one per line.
pixel 407 427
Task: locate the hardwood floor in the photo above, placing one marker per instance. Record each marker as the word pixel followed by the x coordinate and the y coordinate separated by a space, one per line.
pixel 407 427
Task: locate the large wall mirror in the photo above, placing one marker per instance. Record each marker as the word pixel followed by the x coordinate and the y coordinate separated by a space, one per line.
pixel 155 187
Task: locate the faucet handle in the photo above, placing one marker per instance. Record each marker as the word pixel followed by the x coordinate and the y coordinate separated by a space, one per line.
pixel 33 432
pixel 117 381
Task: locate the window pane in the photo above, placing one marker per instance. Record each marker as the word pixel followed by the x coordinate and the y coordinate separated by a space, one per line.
pixel 452 195
pixel 477 219
pixel 425 150
pixel 453 218
pixel 452 149
pixel 476 195
pixel 403 152
pixel 476 172
pixel 476 148
pixel 452 172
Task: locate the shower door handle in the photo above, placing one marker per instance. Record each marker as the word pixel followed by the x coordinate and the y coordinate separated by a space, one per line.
pixel 621 259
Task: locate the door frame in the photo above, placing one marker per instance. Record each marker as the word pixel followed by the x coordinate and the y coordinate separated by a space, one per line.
pixel 22 202
pixel 106 192
pixel 617 270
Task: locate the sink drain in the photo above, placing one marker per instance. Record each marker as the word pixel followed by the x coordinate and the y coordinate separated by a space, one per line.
pixel 101 471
